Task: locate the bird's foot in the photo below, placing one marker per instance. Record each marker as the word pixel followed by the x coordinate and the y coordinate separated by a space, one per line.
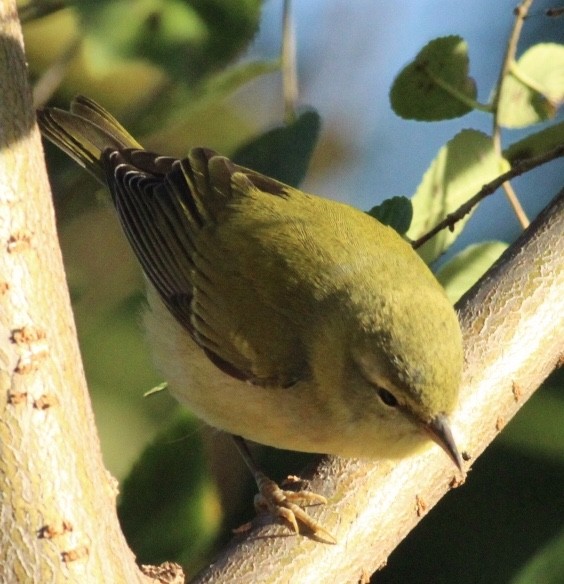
pixel 287 505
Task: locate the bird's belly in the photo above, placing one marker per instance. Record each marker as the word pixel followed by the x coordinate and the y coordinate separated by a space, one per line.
pixel 268 415
pixel 291 418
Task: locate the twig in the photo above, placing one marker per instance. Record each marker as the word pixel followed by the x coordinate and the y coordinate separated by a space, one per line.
pixel 488 189
pixel 289 71
pixel 520 16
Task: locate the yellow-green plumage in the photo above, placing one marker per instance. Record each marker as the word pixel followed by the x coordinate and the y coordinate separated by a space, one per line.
pixel 276 315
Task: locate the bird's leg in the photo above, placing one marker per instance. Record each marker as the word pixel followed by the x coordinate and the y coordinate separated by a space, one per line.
pixel 283 504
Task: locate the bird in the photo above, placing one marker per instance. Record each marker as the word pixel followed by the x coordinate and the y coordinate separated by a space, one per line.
pixel 276 315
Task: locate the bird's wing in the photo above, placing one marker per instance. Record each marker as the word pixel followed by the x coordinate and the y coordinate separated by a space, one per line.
pixel 182 218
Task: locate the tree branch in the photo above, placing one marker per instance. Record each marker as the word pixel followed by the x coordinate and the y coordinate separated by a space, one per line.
pixel 58 518
pixel 512 322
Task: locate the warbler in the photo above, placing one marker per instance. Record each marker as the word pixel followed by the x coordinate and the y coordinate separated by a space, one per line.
pixel 277 315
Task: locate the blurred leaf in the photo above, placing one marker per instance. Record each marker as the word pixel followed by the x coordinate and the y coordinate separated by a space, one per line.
pixel 114 338
pixel 416 92
pixel 213 125
pixel 47 38
pixel 397 212
pixel 168 508
pixel 231 27
pixel 118 369
pixel 283 153
pixel 546 566
pixel 459 171
pixel 35 9
pixel 187 38
pixel 148 28
pixel 182 113
pixel 464 269
pixel 536 144
pixel 226 82
pixel 539 433
pixel 535 89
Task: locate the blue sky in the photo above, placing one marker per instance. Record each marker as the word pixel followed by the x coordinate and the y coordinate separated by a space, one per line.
pixel 348 56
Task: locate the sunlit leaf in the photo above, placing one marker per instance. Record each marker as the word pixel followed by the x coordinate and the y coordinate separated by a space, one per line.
pixel 459 171
pixel 536 89
pixel 536 144
pixel 417 92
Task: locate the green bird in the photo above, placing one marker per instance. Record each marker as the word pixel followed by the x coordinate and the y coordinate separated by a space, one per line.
pixel 276 315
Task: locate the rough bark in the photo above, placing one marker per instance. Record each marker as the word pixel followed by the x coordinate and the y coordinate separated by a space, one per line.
pixel 58 519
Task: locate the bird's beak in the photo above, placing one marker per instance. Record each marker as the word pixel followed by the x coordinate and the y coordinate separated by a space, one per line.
pixel 439 430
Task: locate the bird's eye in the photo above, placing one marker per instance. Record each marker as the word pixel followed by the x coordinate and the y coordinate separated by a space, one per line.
pixel 387 397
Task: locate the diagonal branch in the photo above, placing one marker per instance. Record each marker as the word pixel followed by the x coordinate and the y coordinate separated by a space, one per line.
pixel 512 321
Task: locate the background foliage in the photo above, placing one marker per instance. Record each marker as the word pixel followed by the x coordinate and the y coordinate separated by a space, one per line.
pixel 182 73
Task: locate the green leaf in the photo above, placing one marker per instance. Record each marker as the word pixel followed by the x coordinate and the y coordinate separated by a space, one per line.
pixel 189 40
pixel 464 269
pixel 536 144
pixel 231 26
pixel 534 90
pixel 183 108
pixel 283 153
pixel 168 509
pixel 436 85
pixel 397 212
pixel 539 432
pixel 459 171
pixel 536 435
pixel 227 81
pixel 546 566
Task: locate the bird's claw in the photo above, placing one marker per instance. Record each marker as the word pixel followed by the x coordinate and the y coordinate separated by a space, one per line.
pixel 287 505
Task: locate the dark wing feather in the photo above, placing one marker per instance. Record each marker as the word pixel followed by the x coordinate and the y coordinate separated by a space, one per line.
pixel 175 214
pixel 157 225
pixel 163 203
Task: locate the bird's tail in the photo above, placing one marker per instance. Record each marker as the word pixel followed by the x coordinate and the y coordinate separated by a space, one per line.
pixel 85 132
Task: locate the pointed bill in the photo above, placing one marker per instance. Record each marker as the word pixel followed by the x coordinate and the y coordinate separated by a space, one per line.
pixel 439 430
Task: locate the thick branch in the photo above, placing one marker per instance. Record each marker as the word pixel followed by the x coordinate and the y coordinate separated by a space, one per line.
pixel 512 322
pixel 58 521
